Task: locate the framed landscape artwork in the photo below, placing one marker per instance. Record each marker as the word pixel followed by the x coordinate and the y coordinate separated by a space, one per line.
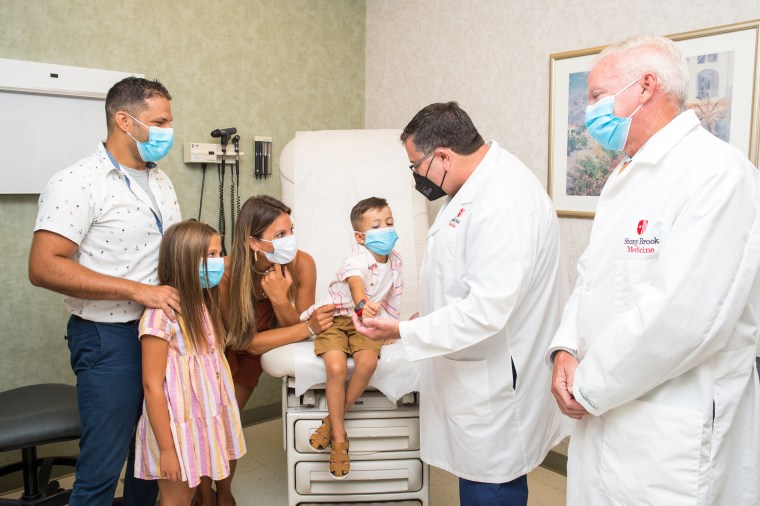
pixel 724 91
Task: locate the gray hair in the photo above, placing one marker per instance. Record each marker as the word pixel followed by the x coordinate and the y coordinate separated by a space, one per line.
pixel 650 53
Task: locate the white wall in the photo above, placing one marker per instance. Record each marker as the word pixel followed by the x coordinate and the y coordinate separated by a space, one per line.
pixel 492 56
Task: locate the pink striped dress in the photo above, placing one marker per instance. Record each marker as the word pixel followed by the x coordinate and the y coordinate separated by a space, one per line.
pixel 204 416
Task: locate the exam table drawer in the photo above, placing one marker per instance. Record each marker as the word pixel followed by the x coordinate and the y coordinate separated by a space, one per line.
pixel 363 503
pixel 366 477
pixel 368 435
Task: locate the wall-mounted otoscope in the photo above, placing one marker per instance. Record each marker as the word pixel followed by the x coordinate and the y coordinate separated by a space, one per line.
pixel 204 154
pixel 224 133
pixel 224 137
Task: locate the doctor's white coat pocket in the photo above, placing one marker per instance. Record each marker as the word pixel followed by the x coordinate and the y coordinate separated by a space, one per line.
pixel 650 454
pixel 468 399
pixel 632 279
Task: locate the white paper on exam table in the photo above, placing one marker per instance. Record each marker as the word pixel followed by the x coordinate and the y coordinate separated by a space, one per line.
pixel 394 376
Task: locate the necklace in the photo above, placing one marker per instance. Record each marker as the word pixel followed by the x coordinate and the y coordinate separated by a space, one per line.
pixel 266 271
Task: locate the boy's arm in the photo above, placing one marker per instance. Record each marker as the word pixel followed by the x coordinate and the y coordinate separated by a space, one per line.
pixel 356 285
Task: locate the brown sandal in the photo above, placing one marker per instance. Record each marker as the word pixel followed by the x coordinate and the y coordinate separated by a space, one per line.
pixel 321 438
pixel 339 462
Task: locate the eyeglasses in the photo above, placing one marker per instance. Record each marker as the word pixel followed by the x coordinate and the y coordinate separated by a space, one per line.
pixel 414 166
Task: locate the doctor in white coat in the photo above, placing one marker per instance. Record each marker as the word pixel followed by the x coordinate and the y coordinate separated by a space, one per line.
pixel 492 289
pixel 660 332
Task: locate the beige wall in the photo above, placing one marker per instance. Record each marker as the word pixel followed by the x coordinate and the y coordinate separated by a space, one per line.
pixel 268 67
pixel 493 58
pixel 301 65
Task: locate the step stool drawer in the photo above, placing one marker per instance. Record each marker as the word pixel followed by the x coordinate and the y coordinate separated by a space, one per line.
pixel 367 435
pixel 365 477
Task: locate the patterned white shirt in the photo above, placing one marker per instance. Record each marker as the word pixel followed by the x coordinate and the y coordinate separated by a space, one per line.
pixel 361 263
pixel 95 204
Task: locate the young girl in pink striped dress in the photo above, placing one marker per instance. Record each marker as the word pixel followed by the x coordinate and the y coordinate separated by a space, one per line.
pixel 190 426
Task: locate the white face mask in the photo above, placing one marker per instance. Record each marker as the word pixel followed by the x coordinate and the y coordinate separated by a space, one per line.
pixel 284 250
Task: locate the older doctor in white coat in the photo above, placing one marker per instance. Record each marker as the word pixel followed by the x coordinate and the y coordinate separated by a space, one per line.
pixel 492 289
pixel 660 332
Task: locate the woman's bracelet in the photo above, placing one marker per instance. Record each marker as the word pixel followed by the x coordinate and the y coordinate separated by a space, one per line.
pixel 310 329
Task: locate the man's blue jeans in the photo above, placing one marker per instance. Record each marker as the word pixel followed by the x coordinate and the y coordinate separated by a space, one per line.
pixel 107 361
pixel 511 493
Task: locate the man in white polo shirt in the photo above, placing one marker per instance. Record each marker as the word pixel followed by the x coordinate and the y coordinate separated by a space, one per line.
pixel 96 240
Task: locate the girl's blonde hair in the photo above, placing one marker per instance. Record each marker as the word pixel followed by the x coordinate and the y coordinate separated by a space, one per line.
pixel 256 215
pixel 183 247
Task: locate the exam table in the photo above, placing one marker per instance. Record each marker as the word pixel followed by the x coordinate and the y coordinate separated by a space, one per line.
pixel 323 174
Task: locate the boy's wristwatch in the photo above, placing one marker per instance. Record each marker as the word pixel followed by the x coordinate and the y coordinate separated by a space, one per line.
pixel 360 307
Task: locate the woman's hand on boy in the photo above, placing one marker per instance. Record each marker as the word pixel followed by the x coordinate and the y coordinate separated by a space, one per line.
pixel 322 318
pixel 276 283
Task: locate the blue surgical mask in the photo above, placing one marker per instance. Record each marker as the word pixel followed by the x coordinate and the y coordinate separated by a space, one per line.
pixel 604 127
pixel 380 240
pixel 160 141
pixel 214 272
pixel 285 250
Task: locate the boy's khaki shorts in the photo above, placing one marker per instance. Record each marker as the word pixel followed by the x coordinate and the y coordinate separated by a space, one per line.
pixel 344 337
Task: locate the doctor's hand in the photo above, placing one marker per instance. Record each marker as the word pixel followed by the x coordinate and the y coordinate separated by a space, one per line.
pixel 276 283
pixel 562 385
pixel 377 329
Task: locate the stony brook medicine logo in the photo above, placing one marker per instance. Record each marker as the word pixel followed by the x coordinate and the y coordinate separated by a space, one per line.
pixel 456 220
pixel 644 242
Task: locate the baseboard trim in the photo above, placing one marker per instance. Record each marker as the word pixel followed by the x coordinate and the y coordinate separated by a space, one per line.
pixel 555 462
pixel 261 414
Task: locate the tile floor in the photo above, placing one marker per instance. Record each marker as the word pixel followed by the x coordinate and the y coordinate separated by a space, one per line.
pixel 261 478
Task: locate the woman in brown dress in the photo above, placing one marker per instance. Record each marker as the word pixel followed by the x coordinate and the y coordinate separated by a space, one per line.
pixel 267 284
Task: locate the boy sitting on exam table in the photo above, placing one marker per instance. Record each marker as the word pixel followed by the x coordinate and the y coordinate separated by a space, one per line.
pixel 369 282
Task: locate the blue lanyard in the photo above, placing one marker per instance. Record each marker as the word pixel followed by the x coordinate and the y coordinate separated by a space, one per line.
pixel 129 185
